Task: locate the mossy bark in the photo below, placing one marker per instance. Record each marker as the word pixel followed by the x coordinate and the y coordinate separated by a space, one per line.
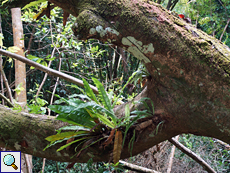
pixel 189 69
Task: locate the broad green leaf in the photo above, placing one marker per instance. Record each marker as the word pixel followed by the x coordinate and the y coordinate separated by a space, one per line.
pixel 89 91
pixel 77 119
pixel 63 135
pixel 61 109
pixel 62 100
pixel 34 3
pixel 127 111
pixel 99 109
pixel 44 63
pixel 58 141
pixel 74 128
pixel 13 49
pixel 82 96
pixel 33 58
pixel 64 146
pixel 73 115
pixel 78 104
pixel 70 121
pixel 81 104
pixel 75 102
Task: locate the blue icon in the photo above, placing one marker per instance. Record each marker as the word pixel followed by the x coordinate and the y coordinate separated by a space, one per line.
pixel 9 160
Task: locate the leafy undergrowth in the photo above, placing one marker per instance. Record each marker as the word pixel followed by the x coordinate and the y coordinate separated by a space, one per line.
pixel 93 122
pixel 60 167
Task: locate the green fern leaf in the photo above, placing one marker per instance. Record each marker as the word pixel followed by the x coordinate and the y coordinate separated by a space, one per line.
pixel 89 91
pixel 103 95
pixel 105 99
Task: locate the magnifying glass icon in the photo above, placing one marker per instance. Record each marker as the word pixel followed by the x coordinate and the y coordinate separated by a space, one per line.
pixel 9 160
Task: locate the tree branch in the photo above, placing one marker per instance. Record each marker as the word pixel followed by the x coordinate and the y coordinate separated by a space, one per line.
pixel 171 156
pixel 47 70
pixel 136 168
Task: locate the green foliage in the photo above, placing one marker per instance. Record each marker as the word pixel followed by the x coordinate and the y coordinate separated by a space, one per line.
pixel 213 152
pixel 37 105
pixel 19 88
pixel 89 91
pixel 38 60
pixel 93 116
pixel 210 15
pixel 89 167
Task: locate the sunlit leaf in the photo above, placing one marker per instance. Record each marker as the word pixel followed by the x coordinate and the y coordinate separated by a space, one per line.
pixel 4 2
pixel 89 91
pixel 74 128
pixel 13 49
pixel 65 146
pixel 58 141
pixel 19 88
pixel 127 111
pixel 34 3
pixel 63 135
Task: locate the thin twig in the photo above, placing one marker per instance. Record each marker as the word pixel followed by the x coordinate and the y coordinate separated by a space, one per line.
pixel 43 164
pixel 136 168
pixel 193 155
pixel 8 102
pixel 45 76
pixel 224 29
pixel 57 167
pixel 52 97
pixel 171 156
pixel 13 83
pixel 6 83
pixel 1 60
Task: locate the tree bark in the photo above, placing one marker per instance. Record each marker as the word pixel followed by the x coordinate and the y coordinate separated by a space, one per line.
pixel 189 83
pixel 20 67
pixel 20 76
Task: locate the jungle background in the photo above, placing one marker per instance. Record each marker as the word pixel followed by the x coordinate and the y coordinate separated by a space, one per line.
pixel 50 43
